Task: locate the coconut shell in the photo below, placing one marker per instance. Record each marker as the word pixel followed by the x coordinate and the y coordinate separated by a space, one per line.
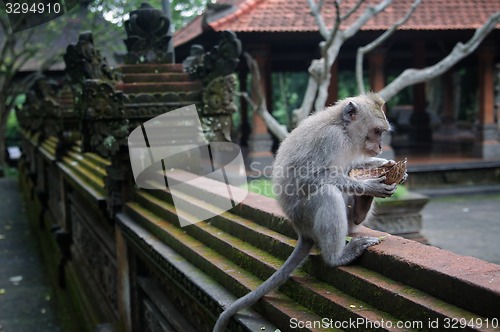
pixel 393 173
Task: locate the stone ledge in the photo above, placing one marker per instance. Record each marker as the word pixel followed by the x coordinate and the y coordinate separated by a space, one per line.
pixel 404 279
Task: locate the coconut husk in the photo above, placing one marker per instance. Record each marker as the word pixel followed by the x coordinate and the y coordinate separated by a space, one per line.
pixel 393 173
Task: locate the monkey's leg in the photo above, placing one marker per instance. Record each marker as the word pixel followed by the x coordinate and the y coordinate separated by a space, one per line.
pixel 358 208
pixel 331 227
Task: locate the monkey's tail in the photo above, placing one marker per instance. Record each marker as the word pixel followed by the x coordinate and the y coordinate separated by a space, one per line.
pixel 299 253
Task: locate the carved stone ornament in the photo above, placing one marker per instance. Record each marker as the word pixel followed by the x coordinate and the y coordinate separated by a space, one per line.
pixel 220 61
pixel 105 127
pixel 215 69
pixel 147 36
pixel 218 106
pixel 41 103
pixel 83 61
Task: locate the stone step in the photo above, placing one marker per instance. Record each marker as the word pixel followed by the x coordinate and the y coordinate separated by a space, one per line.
pixel 357 282
pixel 133 88
pixel 87 169
pixel 247 257
pixel 88 164
pixel 93 157
pixel 405 261
pixel 154 68
pixel 145 78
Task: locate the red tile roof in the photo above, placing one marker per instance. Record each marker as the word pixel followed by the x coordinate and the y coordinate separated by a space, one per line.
pixel 294 16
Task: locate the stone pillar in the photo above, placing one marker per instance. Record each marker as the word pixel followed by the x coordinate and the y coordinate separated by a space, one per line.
pixel 333 88
pixel 420 134
pixel 487 145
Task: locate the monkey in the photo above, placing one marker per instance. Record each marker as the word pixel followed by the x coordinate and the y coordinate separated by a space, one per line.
pixel 311 182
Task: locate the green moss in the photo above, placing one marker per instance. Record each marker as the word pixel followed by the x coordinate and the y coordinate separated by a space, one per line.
pixel 400 193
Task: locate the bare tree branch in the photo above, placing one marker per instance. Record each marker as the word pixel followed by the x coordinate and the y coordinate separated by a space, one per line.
pixel 369 12
pixel 376 43
pixel 352 10
pixel 316 12
pixel 413 76
pixel 335 29
pixel 305 109
pixel 259 105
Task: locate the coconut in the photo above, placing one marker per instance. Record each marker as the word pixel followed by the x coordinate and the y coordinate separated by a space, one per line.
pixel 393 173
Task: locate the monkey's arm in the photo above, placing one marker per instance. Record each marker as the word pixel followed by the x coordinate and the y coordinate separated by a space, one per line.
pixel 373 162
pixel 371 187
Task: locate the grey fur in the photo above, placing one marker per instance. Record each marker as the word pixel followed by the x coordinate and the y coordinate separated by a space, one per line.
pixel 313 189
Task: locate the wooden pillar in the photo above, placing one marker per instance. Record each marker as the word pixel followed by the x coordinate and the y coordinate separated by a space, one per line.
pixel 448 97
pixel 263 60
pixel 487 145
pixel 486 86
pixel 261 142
pixel 377 82
pixel 420 134
pixel 333 88
pixel 448 116
pixel 377 75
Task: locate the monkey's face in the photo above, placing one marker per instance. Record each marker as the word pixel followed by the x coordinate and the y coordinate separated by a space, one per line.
pixel 373 141
pixel 364 122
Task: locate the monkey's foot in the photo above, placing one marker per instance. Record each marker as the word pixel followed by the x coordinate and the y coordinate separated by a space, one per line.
pixel 363 242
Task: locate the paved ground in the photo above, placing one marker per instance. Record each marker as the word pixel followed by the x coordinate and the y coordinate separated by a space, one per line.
pixel 467 225
pixel 26 300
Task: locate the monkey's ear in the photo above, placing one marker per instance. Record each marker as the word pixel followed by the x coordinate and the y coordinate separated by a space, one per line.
pixel 349 112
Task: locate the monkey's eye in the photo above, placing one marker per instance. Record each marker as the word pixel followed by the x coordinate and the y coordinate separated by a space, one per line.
pixel 378 131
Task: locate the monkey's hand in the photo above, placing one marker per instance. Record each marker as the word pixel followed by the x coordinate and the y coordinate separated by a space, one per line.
pixel 377 188
pixel 375 162
pixel 403 180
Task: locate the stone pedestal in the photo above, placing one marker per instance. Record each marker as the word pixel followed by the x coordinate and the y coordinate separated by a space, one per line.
pixel 487 146
pixel 400 217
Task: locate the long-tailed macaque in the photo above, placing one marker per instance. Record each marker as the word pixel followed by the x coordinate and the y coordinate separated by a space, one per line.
pixel 310 176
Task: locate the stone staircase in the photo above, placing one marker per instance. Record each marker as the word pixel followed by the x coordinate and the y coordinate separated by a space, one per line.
pixel 157 78
pixel 396 281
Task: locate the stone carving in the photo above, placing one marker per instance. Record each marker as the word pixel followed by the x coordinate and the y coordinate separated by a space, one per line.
pixel 148 36
pixel 91 250
pixel 104 125
pixel 41 103
pixel 215 69
pixel 220 61
pixel 83 61
pixel 168 275
pixel 218 105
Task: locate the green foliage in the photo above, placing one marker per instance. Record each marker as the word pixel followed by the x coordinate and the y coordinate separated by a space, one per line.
pixel 288 91
pixel 13 132
pixel 117 11
pixel 401 192
pixel 347 84
pixel 262 187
